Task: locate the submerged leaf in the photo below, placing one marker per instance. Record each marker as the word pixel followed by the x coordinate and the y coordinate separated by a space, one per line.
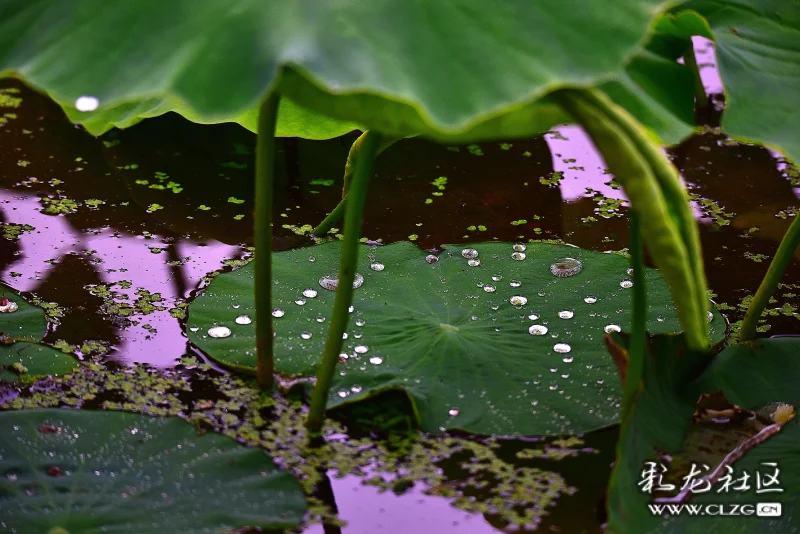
pixel 91 472
pixel 451 333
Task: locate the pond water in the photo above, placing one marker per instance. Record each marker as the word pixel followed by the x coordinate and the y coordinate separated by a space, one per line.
pixel 149 212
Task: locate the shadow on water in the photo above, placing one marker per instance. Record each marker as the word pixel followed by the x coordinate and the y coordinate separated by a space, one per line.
pixel 125 228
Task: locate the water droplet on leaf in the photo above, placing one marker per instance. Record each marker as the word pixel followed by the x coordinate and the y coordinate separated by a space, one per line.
pixel 518 300
pixel 519 256
pixel 590 300
pixel 566 314
pixel 86 103
pixel 243 319
pixel 561 348
pixel 219 331
pixel 309 293
pixel 566 267
pixel 469 253
pixel 377 266
pixel 609 328
pixel 537 330
pixel 277 312
pixel 626 284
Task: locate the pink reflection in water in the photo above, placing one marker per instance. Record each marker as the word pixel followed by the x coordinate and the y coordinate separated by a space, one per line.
pixel 119 257
pixel 368 510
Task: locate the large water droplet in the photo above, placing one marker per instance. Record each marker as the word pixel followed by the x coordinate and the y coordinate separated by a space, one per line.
pixel 331 281
pixel 243 319
pixel 473 262
pixel 360 322
pixel 377 266
pixel 344 335
pixel 519 247
pixel 320 318
pixel 343 393
pixel 568 359
pixel 219 331
pixel 519 256
pixel 533 316
pixel 515 283
pixel 300 302
pixel 518 300
pixel 86 103
pixel 609 328
pixel 489 288
pixel 453 412
pixel 537 330
pixel 9 306
pixel 277 312
pixel 431 258
pixel 565 267
pixel 376 360
pixel 590 300
pixel 469 253
pixel 566 314
pixel 306 335
pixel 626 284
pixel 309 293
pixel 497 277
pixel 561 348
pixel 356 388
pixel 361 349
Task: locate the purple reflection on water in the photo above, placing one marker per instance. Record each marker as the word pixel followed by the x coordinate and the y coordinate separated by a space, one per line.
pixel 368 510
pixel 119 257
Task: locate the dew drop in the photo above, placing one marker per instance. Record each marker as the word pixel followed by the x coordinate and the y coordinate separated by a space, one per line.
pixel 312 259
pixel 709 316
pixel 309 293
pixel 518 300
pixel 568 359
pixel 343 393
pixel 515 283
pixel 351 309
pixel 609 328
pixel 489 288
pixel 377 266
pixel 277 312
pixel 626 284
pixel 320 318
pixel 219 331
pixel 344 335
pixel 243 319
pixel 537 330
pixel 376 360
pixel 519 256
pixel 361 349
pixel 566 267
pixel 473 262
pixel 660 318
pixel 306 335
pixel 497 277
pixel 566 314
pixel 533 316
pixel 431 258
pixel 629 271
pixel 519 247
pixel 86 103
pixel 469 253
pixel 474 318
pixel 356 388
pixel 453 412
pixel 331 281
pixel 300 302
pixel 590 300
pixel 194 328
pixel 561 348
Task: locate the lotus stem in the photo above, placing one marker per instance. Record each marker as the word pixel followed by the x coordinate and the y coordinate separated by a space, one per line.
pixel 700 96
pixel 348 260
pixel 265 174
pixel 638 342
pixel 769 284
pixel 631 156
pixel 349 168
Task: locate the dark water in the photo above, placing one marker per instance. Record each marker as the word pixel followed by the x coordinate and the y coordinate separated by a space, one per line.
pixel 745 203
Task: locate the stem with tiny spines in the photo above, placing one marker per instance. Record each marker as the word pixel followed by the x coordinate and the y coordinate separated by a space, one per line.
pixel 624 148
pixel 638 341
pixel 349 167
pixel 769 284
pixel 348 261
pixel 265 173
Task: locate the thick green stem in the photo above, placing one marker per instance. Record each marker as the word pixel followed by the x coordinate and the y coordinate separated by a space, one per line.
pixel 349 168
pixel 700 96
pixel 631 156
pixel 769 284
pixel 265 172
pixel 348 260
pixel 638 343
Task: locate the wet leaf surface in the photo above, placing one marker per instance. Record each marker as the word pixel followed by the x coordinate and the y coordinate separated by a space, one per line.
pixel 449 333
pixel 87 471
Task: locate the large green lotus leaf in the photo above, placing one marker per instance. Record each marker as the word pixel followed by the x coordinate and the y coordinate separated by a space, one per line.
pixel 19 354
pixel 27 360
pixel 750 375
pixel 293 119
pixel 90 472
pixel 463 353
pixel 425 67
pixel 758 56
